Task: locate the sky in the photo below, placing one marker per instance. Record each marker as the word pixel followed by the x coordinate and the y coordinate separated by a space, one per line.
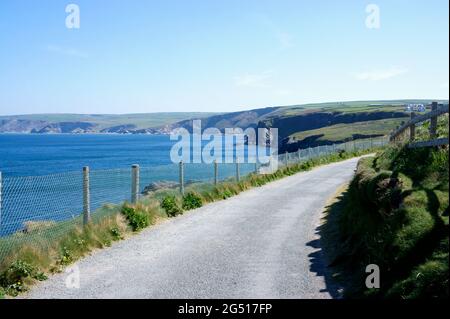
pixel 218 55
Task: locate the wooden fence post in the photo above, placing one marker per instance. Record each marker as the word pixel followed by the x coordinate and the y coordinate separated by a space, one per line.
pixel 181 178
pixel 216 173
pixel 433 121
pixel 134 183
pixel 238 173
pixel 86 196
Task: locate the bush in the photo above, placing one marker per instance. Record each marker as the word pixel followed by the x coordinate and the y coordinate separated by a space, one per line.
pixel 417 163
pixel 191 201
pixel 137 220
pixel 115 232
pixel 12 279
pixel 66 256
pixel 169 204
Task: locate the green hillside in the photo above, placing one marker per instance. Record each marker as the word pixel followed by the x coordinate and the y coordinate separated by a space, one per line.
pixel 141 120
pixel 310 125
pixel 341 132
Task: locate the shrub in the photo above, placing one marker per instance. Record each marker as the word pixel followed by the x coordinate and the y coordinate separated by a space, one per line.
pixel 169 204
pixel 191 201
pixel 137 220
pixel 115 232
pixel 66 257
pixel 12 279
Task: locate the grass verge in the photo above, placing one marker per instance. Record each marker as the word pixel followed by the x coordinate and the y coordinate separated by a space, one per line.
pixel 394 214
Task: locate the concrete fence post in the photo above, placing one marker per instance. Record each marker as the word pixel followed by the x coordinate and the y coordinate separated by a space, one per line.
pixel 216 173
pixel 238 173
pixel 412 129
pixel 286 158
pixel 433 121
pixel 181 177
pixel 86 196
pixel 134 183
pixel 256 167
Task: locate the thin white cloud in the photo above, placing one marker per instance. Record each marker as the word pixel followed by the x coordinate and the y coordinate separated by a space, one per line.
pixel 379 75
pixel 253 80
pixel 286 40
pixel 67 51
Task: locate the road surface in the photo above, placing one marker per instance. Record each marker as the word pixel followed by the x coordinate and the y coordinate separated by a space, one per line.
pixel 262 243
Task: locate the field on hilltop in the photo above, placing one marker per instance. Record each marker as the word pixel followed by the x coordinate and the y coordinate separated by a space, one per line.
pixel 341 132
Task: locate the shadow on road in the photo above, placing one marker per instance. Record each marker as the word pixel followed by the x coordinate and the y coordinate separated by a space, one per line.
pixel 327 249
pixel 318 266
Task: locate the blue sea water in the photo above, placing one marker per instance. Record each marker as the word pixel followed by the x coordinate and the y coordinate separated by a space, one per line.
pixel 42 174
pixel 41 154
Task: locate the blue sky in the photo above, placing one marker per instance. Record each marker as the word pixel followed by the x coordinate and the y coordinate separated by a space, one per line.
pixel 217 55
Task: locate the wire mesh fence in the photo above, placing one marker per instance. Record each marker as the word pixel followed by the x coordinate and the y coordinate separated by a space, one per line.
pixel 28 205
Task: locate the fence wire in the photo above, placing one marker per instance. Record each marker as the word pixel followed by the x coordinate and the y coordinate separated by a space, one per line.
pixel 31 206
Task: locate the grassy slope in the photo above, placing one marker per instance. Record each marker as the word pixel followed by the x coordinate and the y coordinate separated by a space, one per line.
pixel 394 214
pixel 50 248
pixel 346 131
pixel 340 132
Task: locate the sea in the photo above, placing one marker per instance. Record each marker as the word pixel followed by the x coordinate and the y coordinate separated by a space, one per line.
pixel 42 173
pixel 41 154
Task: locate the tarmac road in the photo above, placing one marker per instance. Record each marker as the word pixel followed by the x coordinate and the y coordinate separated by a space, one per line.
pixel 261 243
